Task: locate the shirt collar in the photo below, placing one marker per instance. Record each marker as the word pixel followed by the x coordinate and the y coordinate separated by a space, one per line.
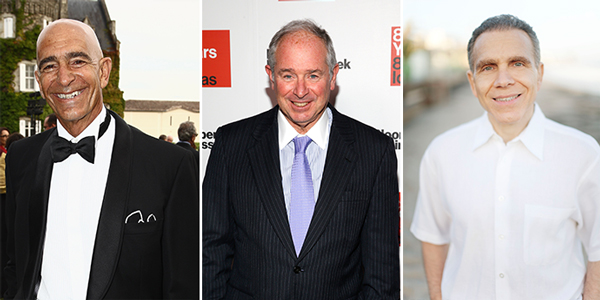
pixel 91 130
pixel 319 133
pixel 532 136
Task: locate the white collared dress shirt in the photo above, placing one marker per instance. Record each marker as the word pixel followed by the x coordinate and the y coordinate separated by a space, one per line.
pixel 76 194
pixel 515 215
pixel 316 152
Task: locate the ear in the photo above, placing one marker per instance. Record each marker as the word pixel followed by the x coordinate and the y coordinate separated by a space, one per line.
pixel 105 65
pixel 336 69
pixel 39 81
pixel 471 78
pixel 540 70
pixel 270 73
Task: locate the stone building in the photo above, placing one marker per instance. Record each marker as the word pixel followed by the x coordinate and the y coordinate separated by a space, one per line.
pixel 161 117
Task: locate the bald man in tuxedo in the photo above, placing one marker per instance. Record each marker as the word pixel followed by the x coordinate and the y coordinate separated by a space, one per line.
pixel 91 212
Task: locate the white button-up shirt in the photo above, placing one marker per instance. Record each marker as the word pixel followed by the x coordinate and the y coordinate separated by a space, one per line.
pixel 74 203
pixel 515 214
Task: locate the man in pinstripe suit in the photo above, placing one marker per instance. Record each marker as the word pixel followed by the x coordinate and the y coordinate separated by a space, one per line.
pixel 251 245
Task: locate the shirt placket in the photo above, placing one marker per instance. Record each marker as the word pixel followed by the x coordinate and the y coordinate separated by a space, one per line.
pixel 502 237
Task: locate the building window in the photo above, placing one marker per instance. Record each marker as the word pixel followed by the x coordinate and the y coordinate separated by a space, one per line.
pixel 27 78
pixel 9 28
pixel 25 127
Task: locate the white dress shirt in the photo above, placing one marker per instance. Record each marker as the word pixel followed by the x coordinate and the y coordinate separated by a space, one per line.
pixel 316 151
pixel 76 193
pixel 515 214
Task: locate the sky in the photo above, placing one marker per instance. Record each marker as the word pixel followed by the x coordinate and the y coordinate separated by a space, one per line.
pixel 567 30
pixel 160 48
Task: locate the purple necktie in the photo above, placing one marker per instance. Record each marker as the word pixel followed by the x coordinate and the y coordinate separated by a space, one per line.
pixel 302 203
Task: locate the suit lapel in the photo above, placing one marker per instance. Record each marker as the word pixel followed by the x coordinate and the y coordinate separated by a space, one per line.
pixel 340 162
pixel 38 209
pixel 264 159
pixel 112 214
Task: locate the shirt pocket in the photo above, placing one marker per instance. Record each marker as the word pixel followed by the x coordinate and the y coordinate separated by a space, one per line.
pixel 545 236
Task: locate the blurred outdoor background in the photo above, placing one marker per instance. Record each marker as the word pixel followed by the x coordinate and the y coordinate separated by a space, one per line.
pixel 437 96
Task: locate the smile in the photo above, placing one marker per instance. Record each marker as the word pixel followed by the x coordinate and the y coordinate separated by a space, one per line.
pixel 68 96
pixel 507 98
pixel 300 104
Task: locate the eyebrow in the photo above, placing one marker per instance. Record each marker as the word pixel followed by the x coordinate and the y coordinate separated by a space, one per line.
pixel 495 62
pixel 69 55
pixel 46 60
pixel 292 70
pixel 285 70
pixel 78 54
pixel 520 58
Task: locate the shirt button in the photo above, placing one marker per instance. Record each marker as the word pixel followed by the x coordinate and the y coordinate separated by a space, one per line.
pixel 501 198
pixel 501 275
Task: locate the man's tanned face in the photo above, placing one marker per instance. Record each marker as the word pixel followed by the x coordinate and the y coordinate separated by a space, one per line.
pixel 72 73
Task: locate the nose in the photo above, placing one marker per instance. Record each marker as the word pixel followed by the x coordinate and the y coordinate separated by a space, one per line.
pixel 65 75
pixel 504 78
pixel 300 89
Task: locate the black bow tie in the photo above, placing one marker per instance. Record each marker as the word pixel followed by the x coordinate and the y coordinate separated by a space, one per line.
pixel 61 148
pixel 86 147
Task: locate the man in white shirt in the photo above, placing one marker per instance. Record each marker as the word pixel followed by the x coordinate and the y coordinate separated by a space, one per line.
pixel 92 214
pixel 506 201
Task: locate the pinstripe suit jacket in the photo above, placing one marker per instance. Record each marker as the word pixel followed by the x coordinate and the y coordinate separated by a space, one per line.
pixel 351 248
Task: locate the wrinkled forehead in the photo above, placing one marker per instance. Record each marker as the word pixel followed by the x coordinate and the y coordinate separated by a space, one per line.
pixel 303 44
pixel 65 33
pixel 494 38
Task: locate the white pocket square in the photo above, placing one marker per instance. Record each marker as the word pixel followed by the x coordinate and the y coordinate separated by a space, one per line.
pixel 140 217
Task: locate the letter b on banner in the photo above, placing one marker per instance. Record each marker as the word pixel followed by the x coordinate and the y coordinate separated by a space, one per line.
pixel 216 58
pixel 396 63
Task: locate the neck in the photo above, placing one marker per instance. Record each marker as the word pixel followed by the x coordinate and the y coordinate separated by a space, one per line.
pixel 509 131
pixel 76 127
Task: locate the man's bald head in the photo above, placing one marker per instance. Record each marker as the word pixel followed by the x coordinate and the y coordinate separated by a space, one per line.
pixel 72 73
pixel 70 27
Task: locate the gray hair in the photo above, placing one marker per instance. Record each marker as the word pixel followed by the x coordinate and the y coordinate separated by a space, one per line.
pixel 186 131
pixel 504 22
pixel 307 26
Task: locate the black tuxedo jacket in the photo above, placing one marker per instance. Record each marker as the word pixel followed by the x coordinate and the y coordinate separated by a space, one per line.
pixel 151 260
pixel 351 248
pixel 188 147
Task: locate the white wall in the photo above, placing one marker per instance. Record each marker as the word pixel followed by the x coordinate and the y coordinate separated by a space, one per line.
pixel 157 123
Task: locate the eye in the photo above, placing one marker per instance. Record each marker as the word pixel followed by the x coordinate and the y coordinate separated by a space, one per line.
pixel 313 76
pixel 78 63
pixel 519 64
pixel 286 76
pixel 487 68
pixel 48 68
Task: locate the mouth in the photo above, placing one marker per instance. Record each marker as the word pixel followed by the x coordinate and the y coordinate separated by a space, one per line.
pixel 68 96
pixel 300 104
pixel 507 99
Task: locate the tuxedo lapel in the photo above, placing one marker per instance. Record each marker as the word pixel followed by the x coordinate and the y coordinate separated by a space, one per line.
pixel 38 209
pixel 264 159
pixel 112 214
pixel 340 162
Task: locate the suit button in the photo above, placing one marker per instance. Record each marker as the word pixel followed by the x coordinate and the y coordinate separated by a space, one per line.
pixel 297 270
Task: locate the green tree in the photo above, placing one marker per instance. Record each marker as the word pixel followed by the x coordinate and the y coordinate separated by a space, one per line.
pixel 12 51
